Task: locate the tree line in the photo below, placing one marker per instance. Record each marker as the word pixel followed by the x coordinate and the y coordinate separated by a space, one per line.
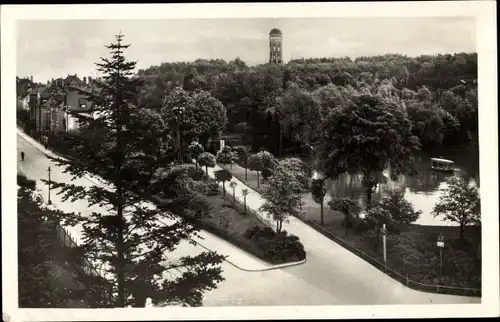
pixel 280 107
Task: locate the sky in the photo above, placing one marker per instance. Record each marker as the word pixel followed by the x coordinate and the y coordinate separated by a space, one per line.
pixel 56 48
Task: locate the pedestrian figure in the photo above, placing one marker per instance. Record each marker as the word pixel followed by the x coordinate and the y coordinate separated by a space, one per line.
pixel 22 156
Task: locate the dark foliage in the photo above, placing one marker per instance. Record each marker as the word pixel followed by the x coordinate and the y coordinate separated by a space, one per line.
pixel 277 247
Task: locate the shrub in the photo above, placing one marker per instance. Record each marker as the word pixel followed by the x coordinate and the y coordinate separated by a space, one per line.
pixel 227 204
pixel 225 156
pixel 196 173
pixel 268 159
pixel 206 160
pixel 195 149
pixel 393 211
pixel 241 154
pixel 213 188
pixel 276 247
pixel 267 173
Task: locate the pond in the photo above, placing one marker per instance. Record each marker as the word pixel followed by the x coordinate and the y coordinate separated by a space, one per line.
pixel 422 190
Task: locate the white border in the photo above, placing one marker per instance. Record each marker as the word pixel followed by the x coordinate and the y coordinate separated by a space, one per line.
pixel 484 11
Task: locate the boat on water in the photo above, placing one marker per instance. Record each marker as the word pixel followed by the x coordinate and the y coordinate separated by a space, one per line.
pixel 444 165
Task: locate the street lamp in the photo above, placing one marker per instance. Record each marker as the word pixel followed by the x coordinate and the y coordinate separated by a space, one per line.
pixel 384 241
pixel 48 170
pixel 440 245
pixel 244 192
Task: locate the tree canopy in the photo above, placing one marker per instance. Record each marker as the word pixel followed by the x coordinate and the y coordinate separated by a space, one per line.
pixel 367 136
pixel 460 203
pixel 258 96
pixel 282 197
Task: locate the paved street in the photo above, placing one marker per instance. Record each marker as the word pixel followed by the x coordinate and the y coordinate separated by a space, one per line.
pixel 331 275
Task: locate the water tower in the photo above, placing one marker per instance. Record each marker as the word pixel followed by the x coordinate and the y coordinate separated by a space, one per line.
pixel 275 46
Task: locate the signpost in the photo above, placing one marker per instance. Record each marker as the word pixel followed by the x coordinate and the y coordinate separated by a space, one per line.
pixel 440 245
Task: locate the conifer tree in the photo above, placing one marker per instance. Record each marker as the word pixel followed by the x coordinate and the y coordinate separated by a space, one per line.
pixel 133 241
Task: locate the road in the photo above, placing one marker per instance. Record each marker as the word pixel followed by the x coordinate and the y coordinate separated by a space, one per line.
pixel 331 275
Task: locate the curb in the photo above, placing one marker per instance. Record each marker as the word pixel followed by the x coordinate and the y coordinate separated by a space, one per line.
pixel 34 143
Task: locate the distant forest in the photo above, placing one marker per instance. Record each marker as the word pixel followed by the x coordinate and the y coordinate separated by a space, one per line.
pixel 269 101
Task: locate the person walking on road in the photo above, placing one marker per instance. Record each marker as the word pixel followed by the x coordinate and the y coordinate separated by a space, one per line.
pixel 22 156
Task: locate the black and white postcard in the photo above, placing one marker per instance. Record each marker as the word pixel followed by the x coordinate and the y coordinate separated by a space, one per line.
pixel 228 161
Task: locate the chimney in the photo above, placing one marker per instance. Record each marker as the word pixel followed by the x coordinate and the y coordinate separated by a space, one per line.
pixel 48 82
pixel 31 79
pixel 62 82
pixel 90 80
pixel 85 80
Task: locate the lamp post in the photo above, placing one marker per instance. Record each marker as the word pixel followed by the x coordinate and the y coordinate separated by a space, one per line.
pixel 233 186
pixel 384 242
pixel 440 245
pixel 48 170
pixel 244 192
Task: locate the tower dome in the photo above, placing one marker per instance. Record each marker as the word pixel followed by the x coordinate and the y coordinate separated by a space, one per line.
pixel 275 31
pixel 275 46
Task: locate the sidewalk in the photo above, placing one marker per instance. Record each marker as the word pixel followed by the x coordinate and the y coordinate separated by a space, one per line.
pixel 235 256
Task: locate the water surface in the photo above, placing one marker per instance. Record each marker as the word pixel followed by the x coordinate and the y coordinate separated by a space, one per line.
pixel 422 190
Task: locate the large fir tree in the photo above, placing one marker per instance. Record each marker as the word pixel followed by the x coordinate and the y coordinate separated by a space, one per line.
pixel 133 241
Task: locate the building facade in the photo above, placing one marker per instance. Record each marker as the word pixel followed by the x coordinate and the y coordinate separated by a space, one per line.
pixel 275 46
pixel 53 105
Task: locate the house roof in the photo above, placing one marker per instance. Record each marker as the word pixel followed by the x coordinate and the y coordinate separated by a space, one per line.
pixel 55 100
pixel 23 86
pixel 73 79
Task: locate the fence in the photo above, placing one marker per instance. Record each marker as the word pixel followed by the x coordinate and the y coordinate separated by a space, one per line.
pixel 68 241
pixel 442 289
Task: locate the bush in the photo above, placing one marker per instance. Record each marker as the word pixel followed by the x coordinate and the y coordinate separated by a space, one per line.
pixel 197 173
pixel 276 247
pixel 393 211
pixel 213 188
pixel 228 204
pixel 225 156
pixel 240 153
pixel 267 173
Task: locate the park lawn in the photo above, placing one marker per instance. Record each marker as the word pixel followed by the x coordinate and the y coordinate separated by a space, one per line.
pixel 414 253
pixel 229 222
pixel 239 173
pixel 310 209
pixel 228 218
